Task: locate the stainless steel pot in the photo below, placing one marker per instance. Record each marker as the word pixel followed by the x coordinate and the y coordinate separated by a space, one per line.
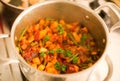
pixel 70 12
pixel 10 12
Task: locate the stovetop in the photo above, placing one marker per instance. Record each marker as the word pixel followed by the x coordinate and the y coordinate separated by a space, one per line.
pixel 106 71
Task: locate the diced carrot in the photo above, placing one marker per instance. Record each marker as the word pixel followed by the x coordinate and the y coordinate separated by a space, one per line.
pixel 84 29
pixel 76 36
pixel 94 53
pixel 36 60
pixel 41 67
pixel 43 33
pixel 31 38
pixel 90 64
pixel 37 36
pixel 62 22
pixel 36 27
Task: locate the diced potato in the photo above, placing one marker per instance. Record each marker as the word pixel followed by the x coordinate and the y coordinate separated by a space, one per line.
pixel 50 68
pixel 43 33
pixel 31 38
pixel 36 28
pixel 90 64
pixel 76 36
pixel 62 22
pixel 41 67
pixel 94 53
pixel 54 24
pixel 36 60
pixel 43 49
pixel 24 46
pixel 64 35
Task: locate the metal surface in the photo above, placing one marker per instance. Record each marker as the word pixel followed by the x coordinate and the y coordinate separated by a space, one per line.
pixel 8 72
pixel 103 72
pixel 12 71
pixel 57 10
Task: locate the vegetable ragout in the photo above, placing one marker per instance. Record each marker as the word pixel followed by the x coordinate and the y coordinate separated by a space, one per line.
pixel 58 47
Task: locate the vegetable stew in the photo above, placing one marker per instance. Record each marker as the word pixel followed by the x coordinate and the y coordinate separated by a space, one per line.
pixel 58 47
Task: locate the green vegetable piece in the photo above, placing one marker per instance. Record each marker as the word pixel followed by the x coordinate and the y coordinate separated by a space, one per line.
pixel 22 33
pixel 45 39
pixel 63 68
pixel 83 66
pixel 34 43
pixel 51 52
pixel 57 65
pixel 83 38
pixel 42 54
pixel 60 50
pixel 20 49
pixel 71 37
pixel 73 57
pixel 75 60
pixel 60 29
pixel 68 53
pixel 89 47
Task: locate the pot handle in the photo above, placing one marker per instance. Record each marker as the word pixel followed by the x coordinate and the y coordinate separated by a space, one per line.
pixel 7 61
pixel 4 35
pixel 115 10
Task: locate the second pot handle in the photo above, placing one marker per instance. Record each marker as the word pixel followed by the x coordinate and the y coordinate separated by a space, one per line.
pixel 115 9
pixel 7 61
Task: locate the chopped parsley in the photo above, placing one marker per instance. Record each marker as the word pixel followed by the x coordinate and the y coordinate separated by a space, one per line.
pixel 60 50
pixel 45 39
pixel 60 29
pixel 42 54
pixel 51 52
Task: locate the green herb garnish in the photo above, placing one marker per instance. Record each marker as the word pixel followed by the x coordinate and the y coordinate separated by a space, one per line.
pixel 75 60
pixel 73 57
pixel 67 53
pixel 71 37
pixel 83 38
pixel 45 39
pixel 20 49
pixel 63 68
pixel 60 50
pixel 57 65
pixel 60 67
pixel 60 29
pixel 22 33
pixel 42 54
pixel 34 43
pixel 51 52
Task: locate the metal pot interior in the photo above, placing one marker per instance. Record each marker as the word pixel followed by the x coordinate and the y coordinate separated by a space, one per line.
pixel 65 10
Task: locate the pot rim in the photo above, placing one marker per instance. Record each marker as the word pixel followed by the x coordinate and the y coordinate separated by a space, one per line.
pixel 68 2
